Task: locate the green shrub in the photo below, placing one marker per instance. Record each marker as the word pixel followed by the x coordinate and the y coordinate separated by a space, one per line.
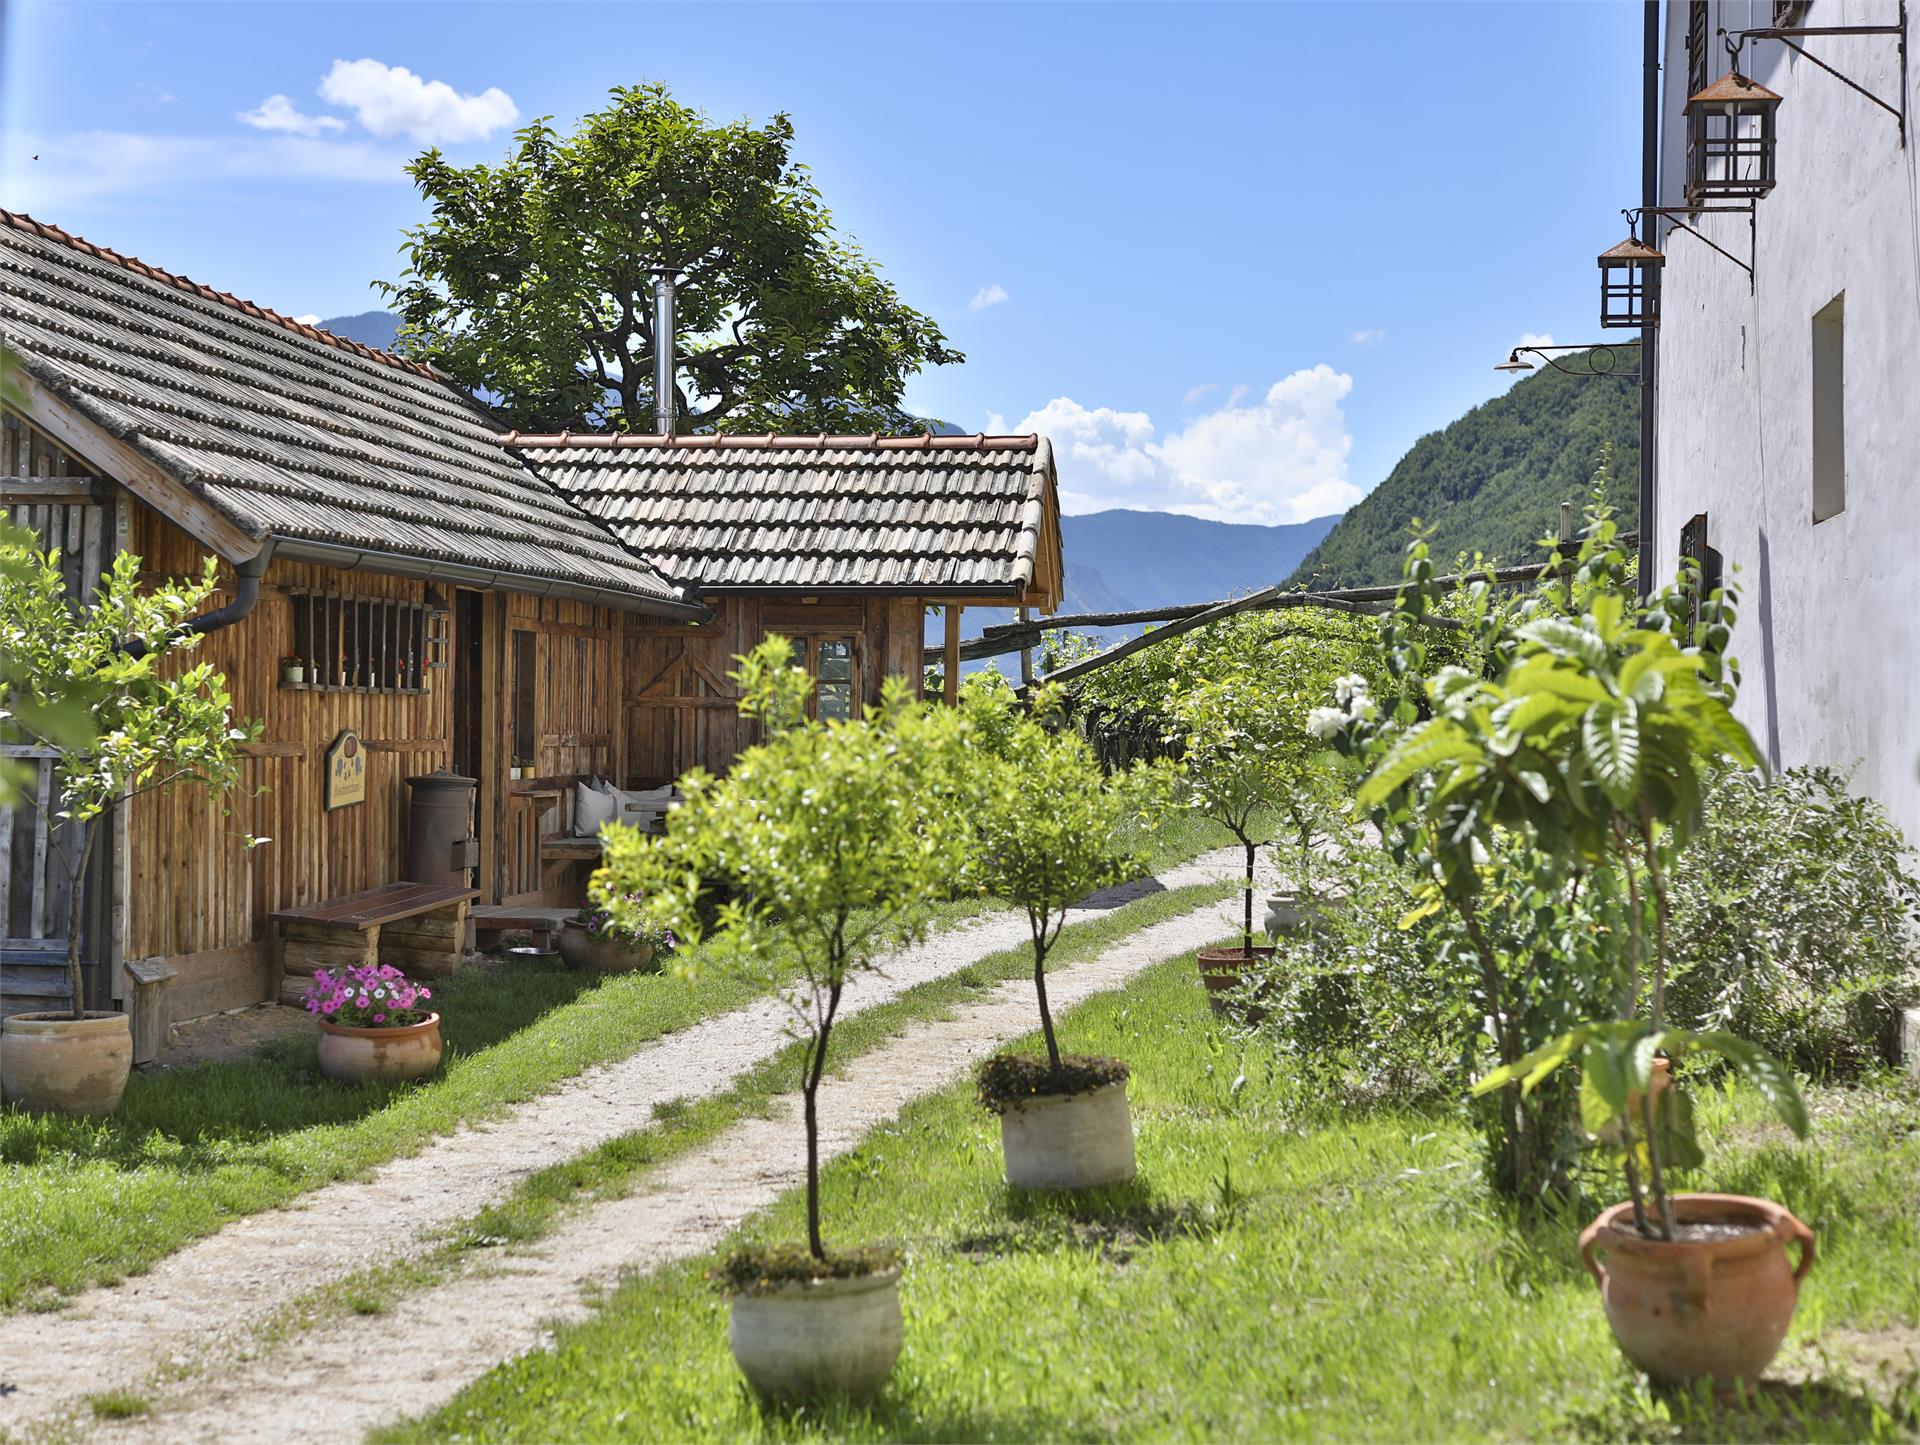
pixel 1794 922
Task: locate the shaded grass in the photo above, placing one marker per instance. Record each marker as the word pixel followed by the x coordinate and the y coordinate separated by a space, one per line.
pixel 1281 1270
pixel 118 1405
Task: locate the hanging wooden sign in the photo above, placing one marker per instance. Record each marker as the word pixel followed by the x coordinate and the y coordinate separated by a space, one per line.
pixel 346 779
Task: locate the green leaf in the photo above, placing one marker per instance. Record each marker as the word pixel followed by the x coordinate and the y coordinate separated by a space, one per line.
pixel 1761 1069
pixel 1610 735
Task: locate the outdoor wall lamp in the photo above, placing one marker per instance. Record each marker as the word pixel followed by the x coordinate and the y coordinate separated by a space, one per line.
pixel 1629 295
pixel 1734 137
pixel 1602 360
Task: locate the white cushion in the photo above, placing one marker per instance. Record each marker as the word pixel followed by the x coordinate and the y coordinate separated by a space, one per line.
pixel 591 810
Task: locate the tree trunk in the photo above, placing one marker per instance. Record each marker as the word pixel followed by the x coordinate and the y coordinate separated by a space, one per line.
pixel 1246 923
pixel 76 912
pixel 817 1066
pixel 1040 988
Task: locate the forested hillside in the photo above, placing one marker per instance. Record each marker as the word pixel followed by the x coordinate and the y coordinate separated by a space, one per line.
pixel 1494 480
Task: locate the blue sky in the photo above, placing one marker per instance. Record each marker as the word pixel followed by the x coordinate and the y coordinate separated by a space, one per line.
pixel 1234 258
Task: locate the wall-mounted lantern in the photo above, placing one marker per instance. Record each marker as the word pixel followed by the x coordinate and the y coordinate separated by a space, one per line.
pixel 1732 157
pixel 1629 293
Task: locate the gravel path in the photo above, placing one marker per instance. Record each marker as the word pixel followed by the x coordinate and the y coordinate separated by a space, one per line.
pixel 422 1350
pixel 203 1302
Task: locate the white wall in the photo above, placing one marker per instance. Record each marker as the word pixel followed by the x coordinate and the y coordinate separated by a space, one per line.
pixel 1829 630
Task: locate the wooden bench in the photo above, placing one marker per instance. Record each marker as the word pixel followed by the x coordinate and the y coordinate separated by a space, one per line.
pixel 493 921
pixel 419 928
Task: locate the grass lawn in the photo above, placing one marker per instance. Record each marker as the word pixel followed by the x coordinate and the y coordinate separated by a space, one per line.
pixel 1283 1269
pixel 91 1201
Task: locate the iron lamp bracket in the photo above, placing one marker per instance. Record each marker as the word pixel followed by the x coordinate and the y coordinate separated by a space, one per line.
pixel 1679 218
pixel 1790 35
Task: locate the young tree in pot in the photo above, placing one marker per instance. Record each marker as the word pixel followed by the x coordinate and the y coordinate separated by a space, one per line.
pixel 832 838
pixel 1593 739
pixel 1044 826
pixel 1243 759
pixel 155 726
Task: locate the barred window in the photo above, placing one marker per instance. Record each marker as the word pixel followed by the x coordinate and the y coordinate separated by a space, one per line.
pixel 361 644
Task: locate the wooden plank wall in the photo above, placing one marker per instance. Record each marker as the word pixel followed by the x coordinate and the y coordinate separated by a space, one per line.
pixel 197 895
pixel 680 706
pixel 576 697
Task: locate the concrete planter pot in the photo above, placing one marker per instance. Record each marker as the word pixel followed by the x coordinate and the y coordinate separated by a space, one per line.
pixel 53 1063
pixel 1714 1308
pixel 819 1339
pixel 1069 1141
pixel 582 950
pixel 353 1056
pixel 1220 971
pixel 1291 912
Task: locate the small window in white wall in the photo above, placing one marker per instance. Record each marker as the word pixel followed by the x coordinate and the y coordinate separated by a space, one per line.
pixel 1830 409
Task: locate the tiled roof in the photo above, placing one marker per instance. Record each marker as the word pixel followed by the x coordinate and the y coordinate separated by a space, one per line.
pixel 283 428
pixel 923 514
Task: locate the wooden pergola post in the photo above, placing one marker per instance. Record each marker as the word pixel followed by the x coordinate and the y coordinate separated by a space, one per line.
pixel 950 660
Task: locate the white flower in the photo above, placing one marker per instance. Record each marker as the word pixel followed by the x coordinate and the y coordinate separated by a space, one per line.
pixel 1326 722
pixel 379 993
pixel 1364 709
pixel 1479 852
pixel 1347 688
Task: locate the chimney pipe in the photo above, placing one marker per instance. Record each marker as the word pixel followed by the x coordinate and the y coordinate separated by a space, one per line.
pixel 663 350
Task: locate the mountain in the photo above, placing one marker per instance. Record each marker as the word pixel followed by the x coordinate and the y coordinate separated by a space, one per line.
pixel 1128 561
pixel 1493 481
pixel 369 328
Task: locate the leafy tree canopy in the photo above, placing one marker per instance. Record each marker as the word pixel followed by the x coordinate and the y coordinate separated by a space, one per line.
pixel 533 280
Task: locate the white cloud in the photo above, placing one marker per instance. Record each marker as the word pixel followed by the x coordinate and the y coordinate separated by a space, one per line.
pixel 989 295
pixel 1194 393
pixel 1535 338
pixel 276 112
pixel 309 319
pixel 75 169
pixel 1280 458
pixel 1370 336
pixel 391 100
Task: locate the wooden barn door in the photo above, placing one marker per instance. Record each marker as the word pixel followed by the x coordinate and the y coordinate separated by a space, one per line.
pixel 685 715
pixel 37 852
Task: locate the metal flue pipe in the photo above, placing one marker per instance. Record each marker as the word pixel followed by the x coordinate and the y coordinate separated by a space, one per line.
pixel 663 350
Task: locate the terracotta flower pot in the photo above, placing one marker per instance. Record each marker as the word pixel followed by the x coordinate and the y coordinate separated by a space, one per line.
pixel 1069 1141
pixel 53 1063
pixel 353 1056
pixel 582 950
pixel 814 1339
pixel 1692 1309
pixel 1220 970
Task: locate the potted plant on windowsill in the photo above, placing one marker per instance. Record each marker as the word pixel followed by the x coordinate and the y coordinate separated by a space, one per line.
pixel 83 683
pixel 373 1025
pixel 832 837
pixel 1594 739
pixel 292 670
pixel 597 941
pixel 1044 825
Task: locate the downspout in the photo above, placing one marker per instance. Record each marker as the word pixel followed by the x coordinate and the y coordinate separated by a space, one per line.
pixel 246 594
pixel 1649 202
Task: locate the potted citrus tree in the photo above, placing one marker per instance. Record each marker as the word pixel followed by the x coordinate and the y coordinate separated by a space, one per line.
pixel 1246 761
pixel 155 725
pixel 1594 739
pixel 829 838
pixel 373 1024
pixel 1045 820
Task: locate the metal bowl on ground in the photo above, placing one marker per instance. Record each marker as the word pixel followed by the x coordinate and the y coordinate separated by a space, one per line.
pixel 531 953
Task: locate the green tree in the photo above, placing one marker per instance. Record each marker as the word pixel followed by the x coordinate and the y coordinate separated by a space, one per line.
pixel 828 838
pixel 155 726
pixel 533 280
pixel 1044 822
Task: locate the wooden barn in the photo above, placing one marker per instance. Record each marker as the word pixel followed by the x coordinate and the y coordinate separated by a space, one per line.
pixel 525 611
